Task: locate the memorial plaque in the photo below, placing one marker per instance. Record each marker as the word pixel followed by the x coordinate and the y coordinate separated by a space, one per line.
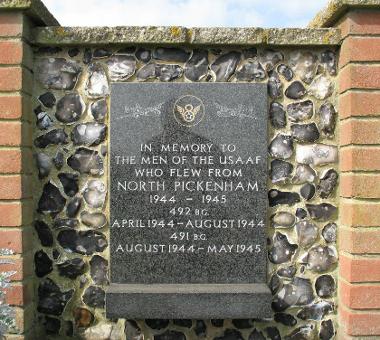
pixel 188 201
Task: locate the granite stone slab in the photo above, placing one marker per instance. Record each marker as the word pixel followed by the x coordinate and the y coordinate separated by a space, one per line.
pixel 188 198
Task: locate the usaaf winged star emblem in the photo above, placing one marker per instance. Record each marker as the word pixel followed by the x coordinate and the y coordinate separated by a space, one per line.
pixel 189 112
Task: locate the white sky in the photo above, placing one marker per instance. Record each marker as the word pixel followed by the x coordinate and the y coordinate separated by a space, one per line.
pixel 190 13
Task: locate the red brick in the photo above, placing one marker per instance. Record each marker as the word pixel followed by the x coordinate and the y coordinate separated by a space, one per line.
pixel 11 161
pixel 359 77
pixel 356 213
pixel 360 185
pixel 355 131
pixel 11 214
pixel 359 296
pixel 358 103
pixel 14 265
pixel 19 240
pixel 10 133
pixel 19 294
pixel 11 107
pixel 11 239
pixel 11 79
pixel 11 24
pixel 14 214
pixel 360 158
pixel 361 22
pixel 10 187
pixel 359 268
pixel 359 323
pixel 23 266
pixel 15 187
pixel 359 241
pixel 11 52
pixel 15 134
pixel 359 49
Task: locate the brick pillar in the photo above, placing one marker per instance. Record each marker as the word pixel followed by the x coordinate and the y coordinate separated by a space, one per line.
pixel 359 109
pixel 16 205
pixel 16 163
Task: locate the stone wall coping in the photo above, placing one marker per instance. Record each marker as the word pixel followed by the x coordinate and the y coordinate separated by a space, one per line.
pixel 35 9
pixel 337 8
pixel 177 35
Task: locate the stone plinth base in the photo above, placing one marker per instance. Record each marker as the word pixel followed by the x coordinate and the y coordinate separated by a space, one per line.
pixel 188 301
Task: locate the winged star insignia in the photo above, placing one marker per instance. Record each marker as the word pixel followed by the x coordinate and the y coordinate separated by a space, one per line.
pixel 189 112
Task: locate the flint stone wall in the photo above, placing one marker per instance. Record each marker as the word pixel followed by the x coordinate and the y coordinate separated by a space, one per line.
pixel 71 106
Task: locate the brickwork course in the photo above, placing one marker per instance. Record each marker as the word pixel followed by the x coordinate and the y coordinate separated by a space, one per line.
pixel 352 27
pixel 16 205
pixel 16 173
pixel 359 80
